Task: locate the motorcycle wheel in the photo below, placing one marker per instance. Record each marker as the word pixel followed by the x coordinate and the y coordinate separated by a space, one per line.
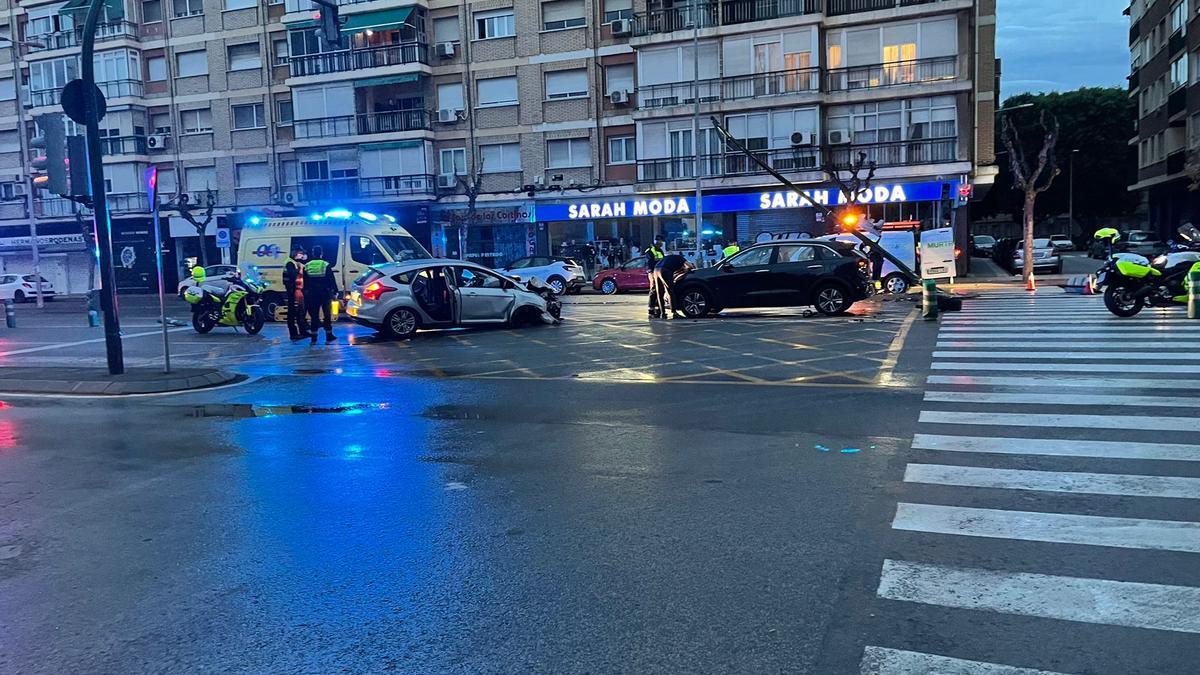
pixel 253 323
pixel 1120 300
pixel 203 322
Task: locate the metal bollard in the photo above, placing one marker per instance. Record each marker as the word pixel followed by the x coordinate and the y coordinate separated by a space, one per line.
pixel 1194 294
pixel 93 307
pixel 10 313
pixel 929 305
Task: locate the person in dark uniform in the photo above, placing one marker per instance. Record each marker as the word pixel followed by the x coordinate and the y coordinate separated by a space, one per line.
pixel 669 269
pixel 293 285
pixel 654 253
pixel 319 288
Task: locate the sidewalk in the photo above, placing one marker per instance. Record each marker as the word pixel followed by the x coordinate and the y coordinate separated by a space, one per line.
pixel 97 381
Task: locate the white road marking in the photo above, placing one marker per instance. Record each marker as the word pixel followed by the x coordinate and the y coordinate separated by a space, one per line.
pixel 1097 323
pixel 1040 331
pixel 62 345
pixel 1048 368
pixel 1054 481
pixel 1098 601
pixel 1055 356
pixel 1055 380
pixel 884 661
pixel 1141 422
pixel 1064 398
pixel 1180 452
pixel 1104 347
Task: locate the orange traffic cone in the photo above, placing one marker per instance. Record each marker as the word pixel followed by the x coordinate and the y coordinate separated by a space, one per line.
pixel 1031 286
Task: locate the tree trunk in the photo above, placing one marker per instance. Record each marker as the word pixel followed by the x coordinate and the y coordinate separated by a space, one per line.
pixel 1027 272
pixel 203 248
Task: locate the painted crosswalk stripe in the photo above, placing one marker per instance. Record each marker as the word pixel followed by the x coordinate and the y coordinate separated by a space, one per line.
pixel 1055 528
pixel 1057 421
pixel 1095 322
pixel 1097 601
pixel 1039 329
pixel 1055 380
pixel 884 661
pixel 1113 334
pixel 1179 452
pixel 1060 367
pixel 1052 356
pixel 1173 487
pixel 1065 398
pixel 977 343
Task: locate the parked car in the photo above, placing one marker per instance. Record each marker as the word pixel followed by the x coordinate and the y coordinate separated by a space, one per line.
pixel 1142 242
pixel 630 276
pixel 792 273
pixel 210 272
pixel 982 245
pixel 23 288
pixel 1045 257
pixel 1062 243
pixel 564 275
pixel 400 298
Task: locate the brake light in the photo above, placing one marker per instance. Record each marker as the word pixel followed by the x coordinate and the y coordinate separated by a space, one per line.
pixel 375 289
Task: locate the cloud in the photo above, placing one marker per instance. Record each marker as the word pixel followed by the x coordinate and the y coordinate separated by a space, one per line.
pixel 1062 45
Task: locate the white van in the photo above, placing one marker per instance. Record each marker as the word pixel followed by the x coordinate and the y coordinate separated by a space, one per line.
pixel 351 242
pixel 898 240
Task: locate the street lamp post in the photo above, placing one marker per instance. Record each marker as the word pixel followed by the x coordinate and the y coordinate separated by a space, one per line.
pixel 1071 195
pixel 696 124
pixel 23 145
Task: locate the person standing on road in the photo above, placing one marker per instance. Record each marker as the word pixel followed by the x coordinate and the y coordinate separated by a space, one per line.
pixel 730 250
pixel 654 253
pixel 668 271
pixel 319 288
pixel 293 284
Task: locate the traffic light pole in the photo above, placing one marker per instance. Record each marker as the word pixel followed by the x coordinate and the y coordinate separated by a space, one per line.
pixel 100 218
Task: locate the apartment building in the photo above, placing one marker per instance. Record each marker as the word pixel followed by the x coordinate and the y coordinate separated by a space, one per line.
pixel 495 129
pixel 1164 49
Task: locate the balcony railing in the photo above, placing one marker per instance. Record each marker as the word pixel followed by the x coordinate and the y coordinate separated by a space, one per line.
pixel 309 6
pixel 892 74
pixel 362 124
pixel 777 83
pixel 128 202
pixel 806 158
pixel 837 7
pixel 676 18
pixel 382 186
pixel 730 12
pixel 745 11
pixel 120 88
pixel 54 207
pixel 123 145
pixel 358 59
pixel 73 38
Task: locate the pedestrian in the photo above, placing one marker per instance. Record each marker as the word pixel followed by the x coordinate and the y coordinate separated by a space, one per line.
pixel 730 250
pixel 669 270
pixel 293 285
pixel 654 253
pixel 319 288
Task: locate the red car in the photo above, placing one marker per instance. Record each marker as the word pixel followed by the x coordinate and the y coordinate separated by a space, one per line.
pixel 628 277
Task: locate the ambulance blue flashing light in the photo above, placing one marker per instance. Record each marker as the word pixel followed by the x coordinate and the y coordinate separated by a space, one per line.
pixel 337 213
pixel 368 216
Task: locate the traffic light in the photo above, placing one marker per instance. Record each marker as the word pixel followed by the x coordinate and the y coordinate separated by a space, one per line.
pixel 52 158
pixel 329 24
pixel 77 166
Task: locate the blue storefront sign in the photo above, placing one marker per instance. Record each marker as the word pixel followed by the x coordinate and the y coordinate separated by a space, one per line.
pixel 677 205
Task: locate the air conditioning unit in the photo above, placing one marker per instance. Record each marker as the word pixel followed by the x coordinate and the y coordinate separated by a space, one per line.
pixel 289 197
pixel 447 181
pixel 619 97
pixel 839 136
pixel 156 142
pixel 803 138
pixel 445 49
pixel 447 115
pixel 621 27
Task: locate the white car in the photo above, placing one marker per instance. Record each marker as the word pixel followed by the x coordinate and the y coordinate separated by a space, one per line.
pixel 564 275
pixel 23 288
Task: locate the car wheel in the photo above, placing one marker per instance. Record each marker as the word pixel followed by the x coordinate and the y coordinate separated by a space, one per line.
pixel 18 297
pixel 558 283
pixel 401 322
pixel 895 284
pixel 609 287
pixel 696 302
pixel 1058 269
pixel 831 300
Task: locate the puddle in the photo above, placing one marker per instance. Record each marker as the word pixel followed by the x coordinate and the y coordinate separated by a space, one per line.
pixel 242 410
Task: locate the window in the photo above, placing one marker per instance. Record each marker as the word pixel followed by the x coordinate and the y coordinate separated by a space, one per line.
pixel 453 160
pixel 156 68
pixel 52 74
pixel 618 78
pixel 365 251
pixel 1194 131
pixel 1179 72
pixel 288 172
pixel 495 24
pixel 188 8
pixel 151 11
pixel 280 47
pixel 559 14
pixel 283 111
pixel 240 4
pixel 200 178
pixel 8 90
pixel 1178 16
pixel 249 116
pixel 253 175
pixel 500 157
pixel 474 278
pixel 752 257
pixel 196 121
pixel 160 122
pixel 450 96
pixel 622 150
pixel 617 9
pixel 888 121
pixel 794 254
pixel 566 84
pixel 497 91
pixel 446 29
pixel 191 64
pixel 244 56
pixel 568 152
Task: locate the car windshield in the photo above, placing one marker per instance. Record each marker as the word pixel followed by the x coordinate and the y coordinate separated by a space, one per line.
pixel 1041 243
pixel 1138 235
pixel 401 247
pixel 1058 237
pixel 984 239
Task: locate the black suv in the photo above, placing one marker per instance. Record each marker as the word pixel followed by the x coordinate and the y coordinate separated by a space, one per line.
pixel 789 273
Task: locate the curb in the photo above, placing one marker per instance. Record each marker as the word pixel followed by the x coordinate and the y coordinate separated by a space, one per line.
pixel 117 387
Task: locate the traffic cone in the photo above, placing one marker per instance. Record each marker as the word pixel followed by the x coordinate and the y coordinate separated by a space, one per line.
pixel 1088 288
pixel 1031 286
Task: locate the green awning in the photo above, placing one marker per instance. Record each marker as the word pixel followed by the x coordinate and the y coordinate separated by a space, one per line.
pixel 384 18
pixel 113 9
pixel 391 79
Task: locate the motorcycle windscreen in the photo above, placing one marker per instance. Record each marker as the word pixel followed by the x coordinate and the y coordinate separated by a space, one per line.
pixel 251 275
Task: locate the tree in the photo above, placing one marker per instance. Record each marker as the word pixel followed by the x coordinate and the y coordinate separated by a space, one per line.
pixel 182 203
pixel 472 186
pixel 1031 180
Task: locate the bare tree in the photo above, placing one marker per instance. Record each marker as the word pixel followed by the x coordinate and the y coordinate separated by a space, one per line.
pixel 182 203
pixel 472 186
pixel 1031 180
pixel 853 185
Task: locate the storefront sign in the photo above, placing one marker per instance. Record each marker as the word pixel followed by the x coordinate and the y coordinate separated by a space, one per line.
pixel 488 216
pixel 43 240
pixel 641 207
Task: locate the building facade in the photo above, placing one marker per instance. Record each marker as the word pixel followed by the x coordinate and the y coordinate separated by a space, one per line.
pixel 499 128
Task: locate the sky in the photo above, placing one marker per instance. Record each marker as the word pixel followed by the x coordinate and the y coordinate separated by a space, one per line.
pixel 1059 45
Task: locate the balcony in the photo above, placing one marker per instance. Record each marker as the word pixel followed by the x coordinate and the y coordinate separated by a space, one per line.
pixel 737 87
pixel 840 7
pixel 54 207
pixel 352 188
pixel 73 38
pixel 359 59
pixel 730 12
pixel 805 158
pixel 921 71
pixel 123 145
pixel 362 124
pixel 111 89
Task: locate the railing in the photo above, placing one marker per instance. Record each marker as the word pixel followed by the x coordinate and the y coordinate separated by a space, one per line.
pixel 123 145
pixel 120 88
pixel 892 74
pixel 709 14
pixel 837 7
pixel 362 123
pixel 73 38
pixel 357 59
pixel 41 97
pixel 54 207
pixel 129 202
pixel 803 158
pixel 676 18
pixel 383 186
pixel 733 88
pixel 745 11
pixel 310 6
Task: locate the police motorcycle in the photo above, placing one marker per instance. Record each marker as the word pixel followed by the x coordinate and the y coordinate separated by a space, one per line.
pixel 1132 282
pixel 233 300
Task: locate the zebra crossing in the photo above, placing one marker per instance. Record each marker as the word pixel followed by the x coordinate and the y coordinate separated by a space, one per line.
pixel 1053 487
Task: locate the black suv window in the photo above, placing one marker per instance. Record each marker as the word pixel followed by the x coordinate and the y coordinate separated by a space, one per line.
pixel 794 254
pixel 753 257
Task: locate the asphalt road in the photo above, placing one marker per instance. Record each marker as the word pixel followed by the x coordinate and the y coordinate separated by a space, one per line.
pixel 1075 263
pixel 606 496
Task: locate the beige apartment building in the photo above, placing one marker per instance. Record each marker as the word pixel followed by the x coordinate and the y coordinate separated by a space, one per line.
pixel 496 129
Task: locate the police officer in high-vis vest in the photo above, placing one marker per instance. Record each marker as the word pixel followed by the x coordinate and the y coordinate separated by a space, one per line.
pixel 654 254
pixel 293 285
pixel 730 250
pixel 319 288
